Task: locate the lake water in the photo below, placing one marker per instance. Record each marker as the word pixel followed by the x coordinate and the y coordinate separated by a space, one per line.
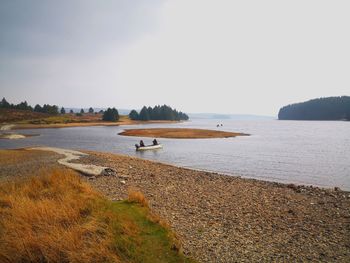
pixel 302 152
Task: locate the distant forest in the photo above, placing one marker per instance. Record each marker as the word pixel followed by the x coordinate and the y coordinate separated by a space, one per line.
pixel 46 108
pixel 330 108
pixel 158 113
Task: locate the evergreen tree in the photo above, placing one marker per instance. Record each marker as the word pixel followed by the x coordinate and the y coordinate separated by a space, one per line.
pixel 133 115
pixel 111 115
pixel 50 109
pixel 144 115
pixel 63 111
pixel 23 106
pixel 116 114
pixel 91 110
pixel 38 108
pixel 158 113
pixel 71 111
pixel 4 103
pixel 82 111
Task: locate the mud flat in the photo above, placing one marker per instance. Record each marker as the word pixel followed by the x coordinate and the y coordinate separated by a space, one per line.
pixel 180 133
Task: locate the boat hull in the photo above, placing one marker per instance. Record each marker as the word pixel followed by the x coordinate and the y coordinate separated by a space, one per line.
pixel 149 147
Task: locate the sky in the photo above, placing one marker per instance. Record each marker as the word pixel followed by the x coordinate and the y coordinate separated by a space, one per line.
pixel 235 57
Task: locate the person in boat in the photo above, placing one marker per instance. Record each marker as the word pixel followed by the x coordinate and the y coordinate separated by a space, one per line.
pixel 142 144
pixel 155 142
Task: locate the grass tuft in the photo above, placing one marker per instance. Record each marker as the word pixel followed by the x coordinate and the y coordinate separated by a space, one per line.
pixel 137 197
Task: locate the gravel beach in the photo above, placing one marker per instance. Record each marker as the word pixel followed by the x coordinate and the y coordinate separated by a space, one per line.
pixel 222 218
pixel 229 219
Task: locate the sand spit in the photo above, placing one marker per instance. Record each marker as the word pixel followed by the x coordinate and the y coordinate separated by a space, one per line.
pixel 180 133
pixel 70 155
pixel 12 136
pixel 6 127
pixel 15 136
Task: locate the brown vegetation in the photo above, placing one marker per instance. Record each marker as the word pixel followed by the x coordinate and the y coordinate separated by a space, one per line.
pixel 180 133
pixel 53 218
pixel 8 157
pixel 137 197
pixel 12 115
pixel 33 120
pixel 23 163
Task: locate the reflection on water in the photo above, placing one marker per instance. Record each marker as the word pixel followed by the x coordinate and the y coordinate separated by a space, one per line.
pixel 303 152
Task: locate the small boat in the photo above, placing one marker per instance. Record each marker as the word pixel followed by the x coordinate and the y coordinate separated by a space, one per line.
pixel 148 147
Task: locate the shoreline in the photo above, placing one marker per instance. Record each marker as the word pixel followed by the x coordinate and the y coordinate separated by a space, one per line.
pixel 24 126
pixel 221 218
pixel 216 214
pixel 291 184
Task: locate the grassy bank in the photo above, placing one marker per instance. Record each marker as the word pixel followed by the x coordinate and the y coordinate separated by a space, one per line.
pixel 55 217
pixel 180 133
pixel 33 120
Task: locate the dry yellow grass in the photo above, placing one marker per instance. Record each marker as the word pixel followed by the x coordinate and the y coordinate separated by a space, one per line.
pixel 180 133
pixel 69 120
pixel 52 218
pixel 19 156
pixel 137 197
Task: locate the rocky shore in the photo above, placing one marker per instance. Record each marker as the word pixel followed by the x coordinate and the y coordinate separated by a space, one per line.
pixel 229 219
pixel 222 218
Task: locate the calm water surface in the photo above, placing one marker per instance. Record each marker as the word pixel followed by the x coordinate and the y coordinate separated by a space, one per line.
pixel 302 152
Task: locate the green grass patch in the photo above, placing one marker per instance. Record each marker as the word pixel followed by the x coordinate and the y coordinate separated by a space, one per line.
pixel 139 238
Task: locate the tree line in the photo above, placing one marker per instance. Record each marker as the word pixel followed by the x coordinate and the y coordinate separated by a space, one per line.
pixel 158 113
pixel 330 108
pixel 111 114
pixel 46 108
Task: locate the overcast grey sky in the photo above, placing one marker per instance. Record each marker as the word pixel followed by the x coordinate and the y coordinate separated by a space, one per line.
pixel 195 55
